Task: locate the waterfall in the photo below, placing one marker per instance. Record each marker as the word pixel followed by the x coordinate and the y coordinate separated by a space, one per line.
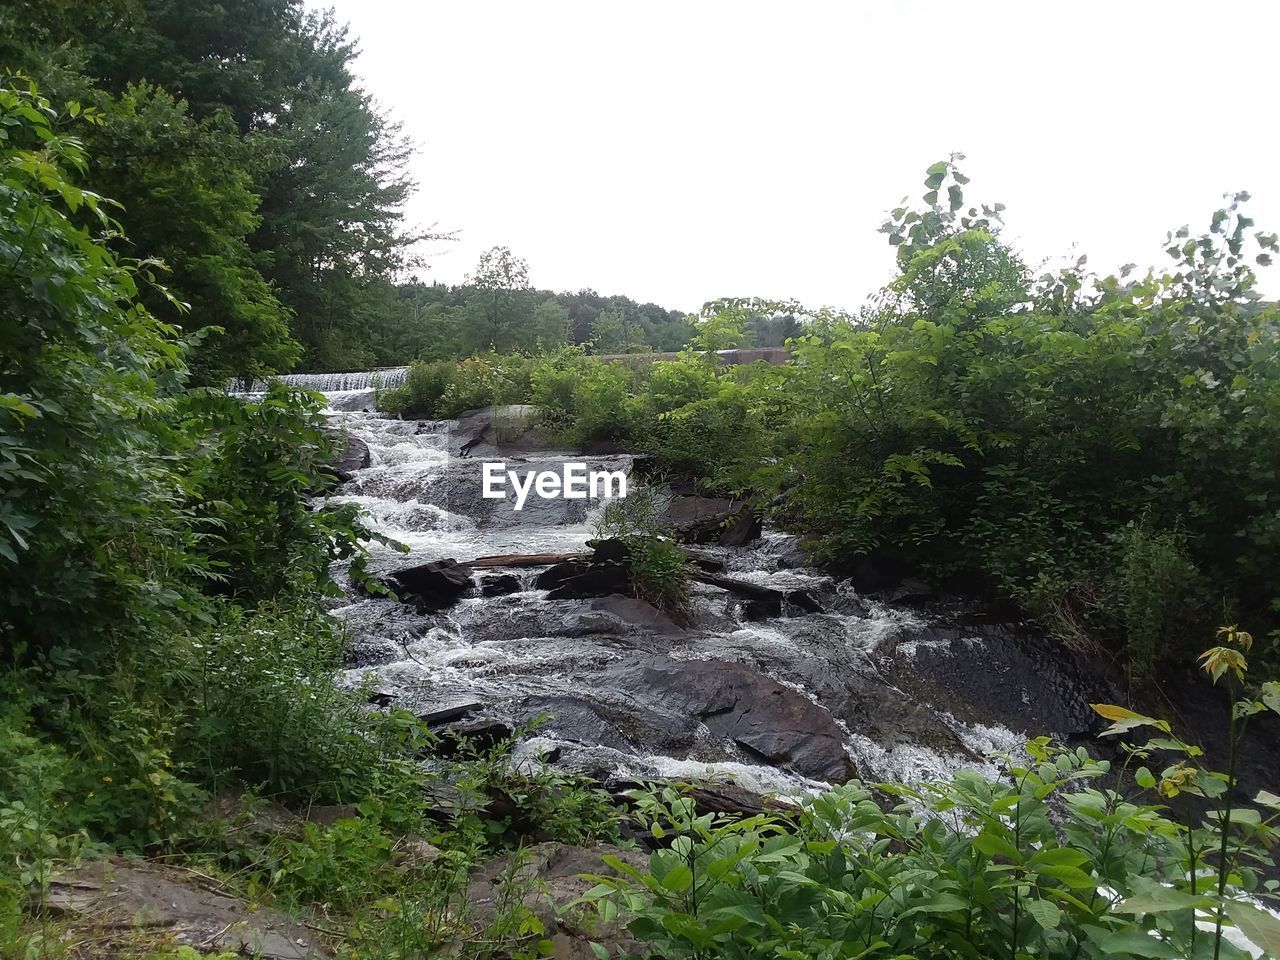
pixel 335 382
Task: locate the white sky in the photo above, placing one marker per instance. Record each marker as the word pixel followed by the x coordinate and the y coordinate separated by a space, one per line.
pixel 682 151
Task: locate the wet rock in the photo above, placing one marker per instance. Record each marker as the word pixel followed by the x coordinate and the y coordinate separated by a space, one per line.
pixel 761 609
pixel 153 896
pixel 695 519
pixel 597 580
pixel 704 562
pixel 500 585
pixel 983 673
pixel 612 550
pixel 472 736
pixel 769 721
pixel 637 613
pixel 442 713
pixel 353 454
pixel 712 797
pixel 558 573
pixel 430 586
pixel 911 590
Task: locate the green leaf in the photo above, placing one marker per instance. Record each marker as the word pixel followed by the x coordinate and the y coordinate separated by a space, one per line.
pixel 1139 943
pixel 1161 900
pixel 1047 914
pixel 1260 926
pixel 939 903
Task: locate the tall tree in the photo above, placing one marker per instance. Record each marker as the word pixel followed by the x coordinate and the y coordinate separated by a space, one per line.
pixel 332 179
pixel 500 277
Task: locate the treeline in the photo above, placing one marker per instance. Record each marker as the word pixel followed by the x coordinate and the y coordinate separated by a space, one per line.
pixel 434 321
pixel 497 311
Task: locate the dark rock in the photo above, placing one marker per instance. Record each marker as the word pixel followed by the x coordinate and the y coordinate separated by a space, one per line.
pixel 880 571
pixel 762 609
pixel 704 562
pixel 430 586
pixel 598 580
pixel 443 713
pixel 802 600
pixel 911 590
pixel 639 613
pixel 610 551
pixel 768 720
pixel 558 573
pixel 696 519
pixel 474 736
pixel 252 821
pixel 550 880
pixel 380 698
pixel 500 585
pixel 327 814
pixel 712 797
pixel 354 455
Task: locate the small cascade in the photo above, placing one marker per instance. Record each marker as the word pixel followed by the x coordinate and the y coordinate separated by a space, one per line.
pixel 333 382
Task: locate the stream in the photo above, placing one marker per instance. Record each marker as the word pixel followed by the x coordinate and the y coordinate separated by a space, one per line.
pixel 613 689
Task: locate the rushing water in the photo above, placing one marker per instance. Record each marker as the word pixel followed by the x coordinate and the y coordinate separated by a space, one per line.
pixel 910 696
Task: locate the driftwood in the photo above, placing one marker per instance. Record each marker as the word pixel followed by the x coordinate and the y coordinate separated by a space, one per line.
pixel 522 560
pixel 742 588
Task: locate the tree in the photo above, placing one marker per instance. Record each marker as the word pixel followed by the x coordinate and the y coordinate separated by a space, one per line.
pixel 91 522
pixel 500 276
pixel 609 332
pixel 328 166
pixel 550 324
pixel 188 199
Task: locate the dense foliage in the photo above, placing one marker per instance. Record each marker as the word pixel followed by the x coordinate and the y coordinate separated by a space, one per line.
pixel 246 155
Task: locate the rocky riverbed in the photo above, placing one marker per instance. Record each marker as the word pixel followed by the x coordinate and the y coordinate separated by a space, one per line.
pixel 783 700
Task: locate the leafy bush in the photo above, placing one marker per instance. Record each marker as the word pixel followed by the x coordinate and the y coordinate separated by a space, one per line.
pixel 423 389
pixel 658 568
pixel 253 471
pixel 582 400
pixel 440 389
pixel 265 709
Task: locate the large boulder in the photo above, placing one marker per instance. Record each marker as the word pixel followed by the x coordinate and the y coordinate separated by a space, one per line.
pixel 430 586
pixel 695 519
pixel 767 720
pixel 352 455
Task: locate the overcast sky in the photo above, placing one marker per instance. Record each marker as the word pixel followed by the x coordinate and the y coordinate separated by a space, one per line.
pixel 682 151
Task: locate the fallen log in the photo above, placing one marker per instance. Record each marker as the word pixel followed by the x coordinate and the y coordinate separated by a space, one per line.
pixel 755 591
pixel 523 560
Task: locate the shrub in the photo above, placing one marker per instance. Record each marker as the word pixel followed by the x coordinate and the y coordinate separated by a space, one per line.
pixel 582 400
pixel 440 389
pixel 658 568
